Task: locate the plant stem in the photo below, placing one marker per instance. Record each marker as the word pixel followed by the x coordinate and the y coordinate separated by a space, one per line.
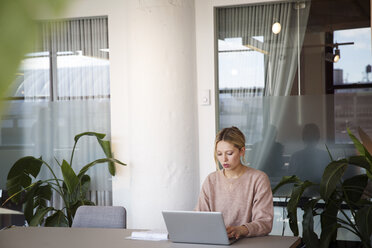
pixel 72 153
pixel 56 179
pixel 9 198
pixel 350 223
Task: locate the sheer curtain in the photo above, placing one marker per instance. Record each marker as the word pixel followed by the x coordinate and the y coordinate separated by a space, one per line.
pixel 66 91
pixel 257 69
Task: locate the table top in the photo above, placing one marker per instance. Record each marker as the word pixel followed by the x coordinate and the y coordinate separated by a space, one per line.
pixel 61 237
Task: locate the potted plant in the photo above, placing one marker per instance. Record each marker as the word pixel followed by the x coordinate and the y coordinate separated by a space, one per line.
pixel 23 186
pixel 337 195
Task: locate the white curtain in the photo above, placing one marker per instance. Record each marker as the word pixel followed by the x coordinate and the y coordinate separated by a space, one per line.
pixel 66 90
pixel 261 67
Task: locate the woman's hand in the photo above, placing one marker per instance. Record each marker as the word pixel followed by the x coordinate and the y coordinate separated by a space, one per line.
pixel 236 231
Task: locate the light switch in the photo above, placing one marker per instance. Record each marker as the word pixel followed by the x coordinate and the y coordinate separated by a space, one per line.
pixel 206 97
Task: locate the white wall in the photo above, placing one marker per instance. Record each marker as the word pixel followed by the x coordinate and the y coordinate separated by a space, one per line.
pixel 153 104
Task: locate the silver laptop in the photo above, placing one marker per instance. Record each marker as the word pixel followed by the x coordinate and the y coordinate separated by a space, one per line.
pixel 196 227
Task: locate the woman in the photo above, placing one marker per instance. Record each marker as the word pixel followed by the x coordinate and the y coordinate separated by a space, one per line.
pixel 241 193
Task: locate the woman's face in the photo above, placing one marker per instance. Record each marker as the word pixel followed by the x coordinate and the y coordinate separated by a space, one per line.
pixel 228 155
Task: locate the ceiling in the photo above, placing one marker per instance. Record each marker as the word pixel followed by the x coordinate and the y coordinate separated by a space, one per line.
pixel 330 15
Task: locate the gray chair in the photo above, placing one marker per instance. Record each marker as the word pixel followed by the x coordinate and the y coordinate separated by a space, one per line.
pixel 100 217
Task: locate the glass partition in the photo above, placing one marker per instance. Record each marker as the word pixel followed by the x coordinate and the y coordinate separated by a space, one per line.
pixel 287 90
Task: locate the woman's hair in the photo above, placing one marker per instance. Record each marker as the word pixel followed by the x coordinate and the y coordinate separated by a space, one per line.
pixel 232 135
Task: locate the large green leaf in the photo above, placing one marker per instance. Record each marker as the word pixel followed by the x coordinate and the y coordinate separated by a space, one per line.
pixel 99 136
pixel 356 142
pixel 361 161
pixel 18 33
pixel 286 180
pixel 331 177
pixel 328 235
pixel 36 197
pixel 38 218
pixel 328 220
pixel 98 161
pixel 19 176
pixel 69 177
pixel 363 220
pixel 354 187
pixel 106 147
pixel 84 184
pixel 293 203
pixel 309 236
pixel 58 219
pixel 28 208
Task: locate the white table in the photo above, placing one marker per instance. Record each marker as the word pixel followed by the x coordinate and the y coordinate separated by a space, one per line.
pixel 59 237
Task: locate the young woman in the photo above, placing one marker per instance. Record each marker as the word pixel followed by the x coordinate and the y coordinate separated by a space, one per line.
pixel 241 193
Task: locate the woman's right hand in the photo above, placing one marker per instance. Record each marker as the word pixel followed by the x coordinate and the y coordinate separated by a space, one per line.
pixel 236 231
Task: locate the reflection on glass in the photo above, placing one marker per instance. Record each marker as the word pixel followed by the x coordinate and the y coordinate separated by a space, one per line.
pixel 309 162
pixel 295 144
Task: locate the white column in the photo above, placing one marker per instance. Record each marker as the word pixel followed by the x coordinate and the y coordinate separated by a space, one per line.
pixel 154 109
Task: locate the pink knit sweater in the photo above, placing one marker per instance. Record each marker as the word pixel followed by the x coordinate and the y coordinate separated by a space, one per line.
pixel 246 200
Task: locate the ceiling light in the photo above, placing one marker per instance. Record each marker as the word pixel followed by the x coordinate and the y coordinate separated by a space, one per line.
pixel 276 28
pixel 336 56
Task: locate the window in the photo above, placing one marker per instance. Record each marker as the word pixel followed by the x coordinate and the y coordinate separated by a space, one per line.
pixel 62 89
pixel 70 62
pixel 284 91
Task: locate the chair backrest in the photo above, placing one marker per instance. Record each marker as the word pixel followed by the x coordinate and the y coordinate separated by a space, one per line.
pixel 100 217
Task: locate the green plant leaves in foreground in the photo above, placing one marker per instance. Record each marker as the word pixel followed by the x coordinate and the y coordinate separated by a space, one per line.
pixel 336 192
pixel 286 180
pixel 72 189
pixel 19 176
pixel 69 177
pixel 297 192
pixel 308 234
pixel 331 177
pixel 363 219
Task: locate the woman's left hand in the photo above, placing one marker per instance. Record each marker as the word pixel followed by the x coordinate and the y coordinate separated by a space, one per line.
pixel 236 231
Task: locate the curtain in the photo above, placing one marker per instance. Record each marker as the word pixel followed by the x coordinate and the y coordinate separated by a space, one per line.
pixel 65 85
pixel 257 69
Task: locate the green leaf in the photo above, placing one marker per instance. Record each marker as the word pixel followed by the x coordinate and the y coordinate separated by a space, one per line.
pixel 329 153
pixel 360 161
pixel 69 176
pixel 328 220
pixel 363 220
pixel 328 235
pixel 309 236
pixel 39 216
pixel 29 201
pixel 58 219
pixel 293 203
pixel 106 147
pixel 98 161
pixel 99 136
pixel 19 176
pixel 356 142
pixel 36 197
pixel 331 177
pixel 85 184
pixel 286 180
pixel 354 187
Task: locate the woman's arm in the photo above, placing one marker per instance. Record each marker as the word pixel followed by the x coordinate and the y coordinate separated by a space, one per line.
pixel 262 209
pixel 203 200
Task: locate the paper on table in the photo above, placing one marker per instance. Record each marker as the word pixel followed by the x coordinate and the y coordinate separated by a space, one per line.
pixel 149 235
